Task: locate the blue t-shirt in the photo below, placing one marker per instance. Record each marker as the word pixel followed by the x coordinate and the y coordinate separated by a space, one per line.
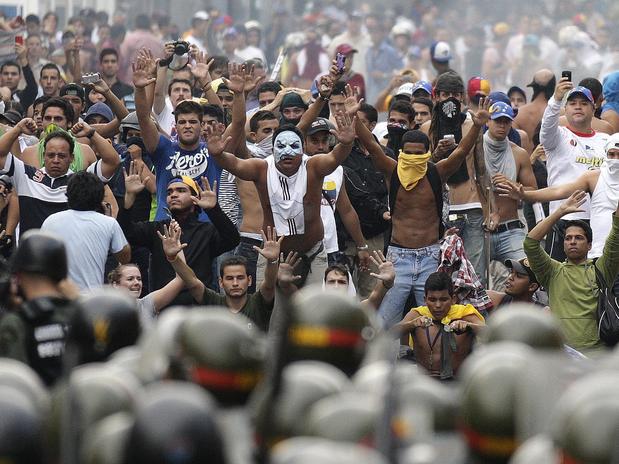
pixel 170 160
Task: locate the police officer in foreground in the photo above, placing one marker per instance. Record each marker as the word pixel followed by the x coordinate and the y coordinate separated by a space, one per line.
pixel 35 332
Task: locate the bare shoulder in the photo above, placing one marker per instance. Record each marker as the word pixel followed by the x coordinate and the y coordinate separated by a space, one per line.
pixel 520 154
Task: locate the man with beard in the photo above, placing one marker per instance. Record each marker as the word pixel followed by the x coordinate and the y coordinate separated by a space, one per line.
pixel 290 188
pixel 186 157
pixel 416 209
pixel 530 115
pixel 520 287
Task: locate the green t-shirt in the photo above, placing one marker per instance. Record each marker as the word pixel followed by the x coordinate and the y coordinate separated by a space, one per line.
pixel 256 307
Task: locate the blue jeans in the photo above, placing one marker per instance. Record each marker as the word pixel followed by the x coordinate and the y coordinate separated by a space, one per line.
pixel 412 268
pixel 507 245
pixel 246 250
pixel 471 230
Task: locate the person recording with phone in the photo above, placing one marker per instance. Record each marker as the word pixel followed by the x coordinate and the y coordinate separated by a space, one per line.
pixel 11 74
pixel 570 150
pixel 344 56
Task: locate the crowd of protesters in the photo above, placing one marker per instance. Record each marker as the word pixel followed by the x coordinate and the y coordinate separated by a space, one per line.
pixel 262 209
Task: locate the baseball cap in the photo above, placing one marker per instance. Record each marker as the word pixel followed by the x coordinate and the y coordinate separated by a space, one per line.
pixel 521 266
pixel 11 116
pixel 100 109
pixel 231 31
pixel 495 97
pixel 320 125
pixel 345 49
pixel 515 88
pixel 422 85
pixel 188 181
pixel 478 85
pixel 73 89
pixel 253 24
pixel 440 51
pixel 501 110
pixel 580 90
pixel 203 15
pixel 355 14
pixel 612 142
pixel 406 89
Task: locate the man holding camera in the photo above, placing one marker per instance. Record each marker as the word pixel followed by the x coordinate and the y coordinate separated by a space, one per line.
pixel 570 150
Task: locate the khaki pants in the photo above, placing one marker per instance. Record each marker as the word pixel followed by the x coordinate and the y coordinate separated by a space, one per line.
pixel 317 271
pixel 363 281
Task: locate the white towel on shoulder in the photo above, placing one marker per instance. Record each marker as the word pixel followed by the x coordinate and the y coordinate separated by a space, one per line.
pixel 286 197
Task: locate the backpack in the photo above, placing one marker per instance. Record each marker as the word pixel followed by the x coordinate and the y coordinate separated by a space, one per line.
pixel 607 312
pixel 437 189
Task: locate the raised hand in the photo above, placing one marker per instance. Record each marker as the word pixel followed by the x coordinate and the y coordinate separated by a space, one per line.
pixel 573 203
pixel 100 86
pixel 133 181
pixel 141 75
pixel 352 102
pixel 345 132
pixel 168 50
pixel 207 197
pixel 27 126
pixel 325 85
pixel 215 142
pixel 22 54
pixel 236 82
pixel 285 272
pixel 270 244
pixel 201 69
pixel 386 271
pixel 251 80
pixel 482 115
pixel 82 129
pixel 171 240
pixel 562 88
pixel 145 56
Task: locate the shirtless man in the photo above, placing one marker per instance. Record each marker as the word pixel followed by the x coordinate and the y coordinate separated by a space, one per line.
pixel 520 286
pixel 443 332
pixel 530 115
pixel 289 185
pixel 415 216
pixel 602 184
pixel 505 160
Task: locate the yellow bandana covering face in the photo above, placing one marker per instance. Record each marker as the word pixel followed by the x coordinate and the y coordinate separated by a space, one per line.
pixel 412 168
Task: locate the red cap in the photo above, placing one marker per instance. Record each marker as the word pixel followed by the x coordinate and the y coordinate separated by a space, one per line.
pixel 478 85
pixel 345 49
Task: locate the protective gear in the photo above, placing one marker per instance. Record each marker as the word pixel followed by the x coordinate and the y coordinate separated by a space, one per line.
pixel 107 321
pixel 287 145
pixel 440 399
pixel 328 326
pixel 346 416
pixel 304 450
pixel 175 422
pixel 105 441
pixel 19 376
pixel 41 253
pixel 21 434
pixel 302 384
pixel 487 416
pixel 95 392
pixel 222 352
pixel 127 358
pixel 538 449
pixel 524 323
pixel 586 419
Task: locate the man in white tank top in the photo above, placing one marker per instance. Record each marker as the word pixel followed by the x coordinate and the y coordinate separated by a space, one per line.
pixel 570 150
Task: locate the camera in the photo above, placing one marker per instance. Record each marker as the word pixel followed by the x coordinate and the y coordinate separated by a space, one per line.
pixel 181 47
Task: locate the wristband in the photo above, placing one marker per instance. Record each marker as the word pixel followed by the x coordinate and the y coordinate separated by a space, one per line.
pixel 275 261
pixel 363 247
pixel 164 62
pixel 91 133
pixel 323 98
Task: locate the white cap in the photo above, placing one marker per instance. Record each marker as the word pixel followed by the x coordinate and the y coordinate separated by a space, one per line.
pixel 402 28
pixel 203 15
pixel 612 142
pixel 441 52
pixel 253 24
pixel 406 89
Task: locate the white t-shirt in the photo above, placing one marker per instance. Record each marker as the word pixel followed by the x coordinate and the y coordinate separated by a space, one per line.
pixel 166 118
pixel 331 187
pixel 569 154
pixel 88 237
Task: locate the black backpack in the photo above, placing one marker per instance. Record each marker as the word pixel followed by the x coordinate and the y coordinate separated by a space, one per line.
pixel 607 312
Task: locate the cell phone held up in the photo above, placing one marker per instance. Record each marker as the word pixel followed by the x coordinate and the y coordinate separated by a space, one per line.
pixel 91 78
pixel 567 74
pixel 340 61
pixel 19 40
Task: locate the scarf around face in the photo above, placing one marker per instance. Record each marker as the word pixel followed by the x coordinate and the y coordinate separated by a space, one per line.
pixel 499 158
pixel 412 168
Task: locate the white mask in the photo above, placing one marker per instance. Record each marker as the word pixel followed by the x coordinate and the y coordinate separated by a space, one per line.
pixel 263 148
pixel 287 145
